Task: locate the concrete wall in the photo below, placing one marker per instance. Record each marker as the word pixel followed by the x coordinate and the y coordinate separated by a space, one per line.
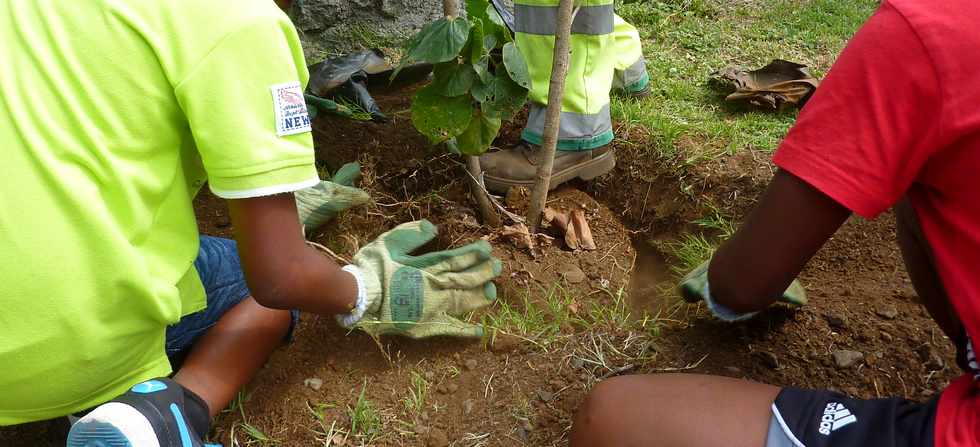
pixel 330 27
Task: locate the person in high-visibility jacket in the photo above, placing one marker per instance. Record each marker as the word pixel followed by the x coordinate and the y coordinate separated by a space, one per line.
pixel 605 56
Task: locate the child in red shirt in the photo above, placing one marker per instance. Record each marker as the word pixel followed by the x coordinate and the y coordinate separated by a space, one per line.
pixel 896 123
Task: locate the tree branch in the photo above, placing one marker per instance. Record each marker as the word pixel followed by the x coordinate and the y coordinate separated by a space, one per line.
pixel 552 117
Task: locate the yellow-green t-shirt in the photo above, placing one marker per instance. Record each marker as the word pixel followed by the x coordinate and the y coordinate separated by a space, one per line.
pixel 113 113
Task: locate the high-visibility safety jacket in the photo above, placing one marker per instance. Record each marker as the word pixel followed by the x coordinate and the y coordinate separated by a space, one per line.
pixel 605 54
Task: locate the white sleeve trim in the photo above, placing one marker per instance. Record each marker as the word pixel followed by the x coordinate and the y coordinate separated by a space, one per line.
pixel 265 190
pixel 348 320
pixel 782 424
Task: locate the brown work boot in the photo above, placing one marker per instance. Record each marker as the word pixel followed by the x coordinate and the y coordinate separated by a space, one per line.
pixel 518 166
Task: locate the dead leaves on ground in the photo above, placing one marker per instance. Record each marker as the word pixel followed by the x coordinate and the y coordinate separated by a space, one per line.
pixel 573 225
pixel 774 87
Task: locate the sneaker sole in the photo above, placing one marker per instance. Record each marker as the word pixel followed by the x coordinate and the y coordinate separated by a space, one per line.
pixel 113 425
pixel 98 434
pixel 585 171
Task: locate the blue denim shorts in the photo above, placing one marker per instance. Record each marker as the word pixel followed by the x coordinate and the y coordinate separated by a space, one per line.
pixel 221 273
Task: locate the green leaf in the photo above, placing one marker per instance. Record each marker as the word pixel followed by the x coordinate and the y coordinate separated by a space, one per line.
pixel 452 146
pixel 439 41
pixel 453 79
pixel 516 66
pixel 483 91
pixel 477 9
pixel 500 28
pixel 508 98
pixel 440 118
pixel 479 135
pixel 476 42
pixel 482 69
pixel 489 41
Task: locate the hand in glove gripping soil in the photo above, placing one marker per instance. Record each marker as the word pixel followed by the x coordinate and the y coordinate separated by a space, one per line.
pixel 416 296
pixel 323 202
pixel 694 287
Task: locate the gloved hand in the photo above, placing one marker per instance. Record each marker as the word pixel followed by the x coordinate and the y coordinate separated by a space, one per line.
pixel 323 202
pixel 416 296
pixel 694 287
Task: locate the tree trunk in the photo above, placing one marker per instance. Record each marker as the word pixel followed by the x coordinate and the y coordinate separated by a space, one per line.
pixel 450 8
pixel 490 217
pixel 552 117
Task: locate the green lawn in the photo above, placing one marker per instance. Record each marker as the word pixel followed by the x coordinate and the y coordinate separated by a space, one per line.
pixel 685 40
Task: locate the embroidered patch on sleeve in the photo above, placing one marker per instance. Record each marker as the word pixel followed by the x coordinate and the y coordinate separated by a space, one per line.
pixel 290 107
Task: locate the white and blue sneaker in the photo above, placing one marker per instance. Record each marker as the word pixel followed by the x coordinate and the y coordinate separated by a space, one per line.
pixel 155 413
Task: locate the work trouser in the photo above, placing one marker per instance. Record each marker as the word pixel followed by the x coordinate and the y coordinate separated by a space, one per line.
pixel 605 54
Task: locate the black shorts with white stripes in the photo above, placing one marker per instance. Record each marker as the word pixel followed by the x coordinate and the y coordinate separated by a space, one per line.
pixel 823 418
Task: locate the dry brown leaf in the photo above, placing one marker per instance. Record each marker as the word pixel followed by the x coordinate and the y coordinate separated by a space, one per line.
pixel 774 86
pixel 518 234
pixel 582 232
pixel 573 226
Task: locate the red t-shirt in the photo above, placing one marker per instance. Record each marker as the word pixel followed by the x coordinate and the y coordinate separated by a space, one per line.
pixel 899 114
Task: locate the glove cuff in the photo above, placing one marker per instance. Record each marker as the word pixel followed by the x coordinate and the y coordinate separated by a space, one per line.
pixel 368 297
pixel 720 311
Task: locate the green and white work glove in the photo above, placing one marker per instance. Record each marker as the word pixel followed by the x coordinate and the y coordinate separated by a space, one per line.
pixel 694 287
pixel 323 202
pixel 417 296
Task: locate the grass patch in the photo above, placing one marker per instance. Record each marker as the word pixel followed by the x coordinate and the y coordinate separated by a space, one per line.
pixel 364 418
pixel 685 40
pixel 415 401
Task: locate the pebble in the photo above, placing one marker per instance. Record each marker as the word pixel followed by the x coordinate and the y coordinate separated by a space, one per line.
pixel 470 364
pixel 847 359
pixel 452 388
pixel 886 337
pixel 572 273
pixel 504 343
pixel 545 396
pixel 835 321
pixel 338 441
pixel 888 312
pixel 576 362
pixel 468 405
pixel 436 438
pixel 314 383
pixel 769 359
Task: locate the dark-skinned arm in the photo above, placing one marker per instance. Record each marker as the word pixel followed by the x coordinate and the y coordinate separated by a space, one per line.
pixel 787 227
pixel 281 270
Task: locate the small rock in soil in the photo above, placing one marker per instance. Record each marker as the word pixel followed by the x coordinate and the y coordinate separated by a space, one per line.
pixel 436 438
pixel 835 321
pixel 314 383
pixel 452 388
pixel 338 441
pixel 504 343
pixel 468 405
pixel 470 364
pixel 546 396
pixel 430 376
pixel 572 273
pixel 767 358
pixel 888 312
pixel 576 363
pixel 734 370
pixel 886 337
pixel 847 359
pixel 929 358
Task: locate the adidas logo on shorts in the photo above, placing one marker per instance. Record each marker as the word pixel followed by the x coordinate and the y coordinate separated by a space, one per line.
pixel 834 417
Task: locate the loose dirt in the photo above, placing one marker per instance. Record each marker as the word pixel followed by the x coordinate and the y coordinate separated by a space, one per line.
pixel 516 390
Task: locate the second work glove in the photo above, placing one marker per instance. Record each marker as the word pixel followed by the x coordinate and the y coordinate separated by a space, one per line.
pixel 418 296
pixel 694 288
pixel 320 203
